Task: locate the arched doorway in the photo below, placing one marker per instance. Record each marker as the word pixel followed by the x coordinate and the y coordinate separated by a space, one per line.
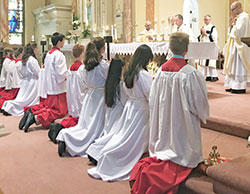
pixel 191 15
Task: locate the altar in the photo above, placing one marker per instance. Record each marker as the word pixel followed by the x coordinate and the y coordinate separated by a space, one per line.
pixel 196 50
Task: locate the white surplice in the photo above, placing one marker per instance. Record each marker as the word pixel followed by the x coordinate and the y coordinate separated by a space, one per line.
pixel 91 121
pixel 27 95
pixel 113 114
pixel 17 80
pixel 55 73
pixel 76 90
pixel 126 147
pixel 178 101
pixel 4 71
pixel 210 70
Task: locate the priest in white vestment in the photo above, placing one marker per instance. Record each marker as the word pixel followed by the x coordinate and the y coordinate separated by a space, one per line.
pixel 237 57
pixel 209 34
pixel 147 35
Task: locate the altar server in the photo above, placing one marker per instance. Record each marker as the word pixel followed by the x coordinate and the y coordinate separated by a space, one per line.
pixel 76 140
pixel 9 56
pixel 127 146
pixel 208 34
pixel 178 101
pixel 28 70
pixel 54 106
pixel 76 90
pixel 7 92
pixel 115 99
pixel 237 57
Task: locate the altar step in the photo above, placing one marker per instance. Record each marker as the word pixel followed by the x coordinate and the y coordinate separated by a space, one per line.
pixel 229 146
pixel 231 127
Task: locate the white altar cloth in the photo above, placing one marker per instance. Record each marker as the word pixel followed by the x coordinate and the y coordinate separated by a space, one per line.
pixel 196 50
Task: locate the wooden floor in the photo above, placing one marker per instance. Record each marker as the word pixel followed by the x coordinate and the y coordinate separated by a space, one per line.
pixel 29 163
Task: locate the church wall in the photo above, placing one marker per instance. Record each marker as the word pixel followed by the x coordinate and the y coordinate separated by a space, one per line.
pixel 29 30
pixel 140 16
pixel 61 2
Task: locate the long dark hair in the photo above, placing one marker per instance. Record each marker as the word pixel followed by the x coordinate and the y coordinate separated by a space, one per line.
pixel 142 56
pixel 28 51
pixel 92 54
pixel 112 81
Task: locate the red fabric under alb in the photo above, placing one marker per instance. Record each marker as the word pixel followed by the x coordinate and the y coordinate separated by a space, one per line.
pixel 173 65
pixel 51 108
pixel 154 176
pixel 53 49
pixel 75 66
pixel 8 95
pixel 69 122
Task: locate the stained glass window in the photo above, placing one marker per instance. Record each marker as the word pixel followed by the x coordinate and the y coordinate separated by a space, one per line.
pixel 15 17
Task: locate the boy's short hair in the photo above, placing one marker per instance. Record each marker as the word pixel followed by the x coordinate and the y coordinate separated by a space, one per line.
pixel 8 52
pixel 178 42
pixel 18 52
pixel 78 50
pixel 56 37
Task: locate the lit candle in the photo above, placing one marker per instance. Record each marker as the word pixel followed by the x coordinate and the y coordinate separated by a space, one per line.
pixel 32 38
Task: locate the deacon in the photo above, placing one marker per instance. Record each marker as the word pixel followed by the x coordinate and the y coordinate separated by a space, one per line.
pixel 178 102
pixel 237 57
pixel 208 34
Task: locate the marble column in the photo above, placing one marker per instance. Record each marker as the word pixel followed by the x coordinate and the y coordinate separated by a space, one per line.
pixel 127 21
pixel 47 2
pixel 4 21
pixel 74 7
pixel 150 11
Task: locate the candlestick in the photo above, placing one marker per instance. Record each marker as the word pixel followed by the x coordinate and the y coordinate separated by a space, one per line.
pixel 115 32
pixel 112 30
pixel 32 38
pixel 103 31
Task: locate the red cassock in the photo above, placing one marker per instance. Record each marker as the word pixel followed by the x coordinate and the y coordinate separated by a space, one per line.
pixel 71 121
pixel 51 108
pixel 154 176
pixel 8 95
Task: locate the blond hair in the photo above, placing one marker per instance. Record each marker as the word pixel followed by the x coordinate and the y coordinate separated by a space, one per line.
pixel 178 43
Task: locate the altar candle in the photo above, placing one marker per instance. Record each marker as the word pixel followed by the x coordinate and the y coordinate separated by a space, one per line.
pixel 32 38
pixel 156 26
pixel 115 32
pixel 103 31
pixel 112 30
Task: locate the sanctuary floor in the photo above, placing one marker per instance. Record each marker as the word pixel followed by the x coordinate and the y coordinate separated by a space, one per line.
pixel 29 163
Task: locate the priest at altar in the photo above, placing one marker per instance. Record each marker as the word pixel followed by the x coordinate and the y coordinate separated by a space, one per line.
pixel 147 35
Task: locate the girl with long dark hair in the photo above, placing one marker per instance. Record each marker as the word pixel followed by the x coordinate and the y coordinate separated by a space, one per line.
pixel 115 100
pixel 127 146
pixel 90 126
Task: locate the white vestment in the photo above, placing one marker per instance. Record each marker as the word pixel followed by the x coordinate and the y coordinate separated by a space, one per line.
pixel 178 101
pixel 91 121
pixel 143 35
pixel 76 90
pixel 4 71
pixel 208 67
pixel 237 57
pixel 27 95
pixel 113 114
pixel 127 145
